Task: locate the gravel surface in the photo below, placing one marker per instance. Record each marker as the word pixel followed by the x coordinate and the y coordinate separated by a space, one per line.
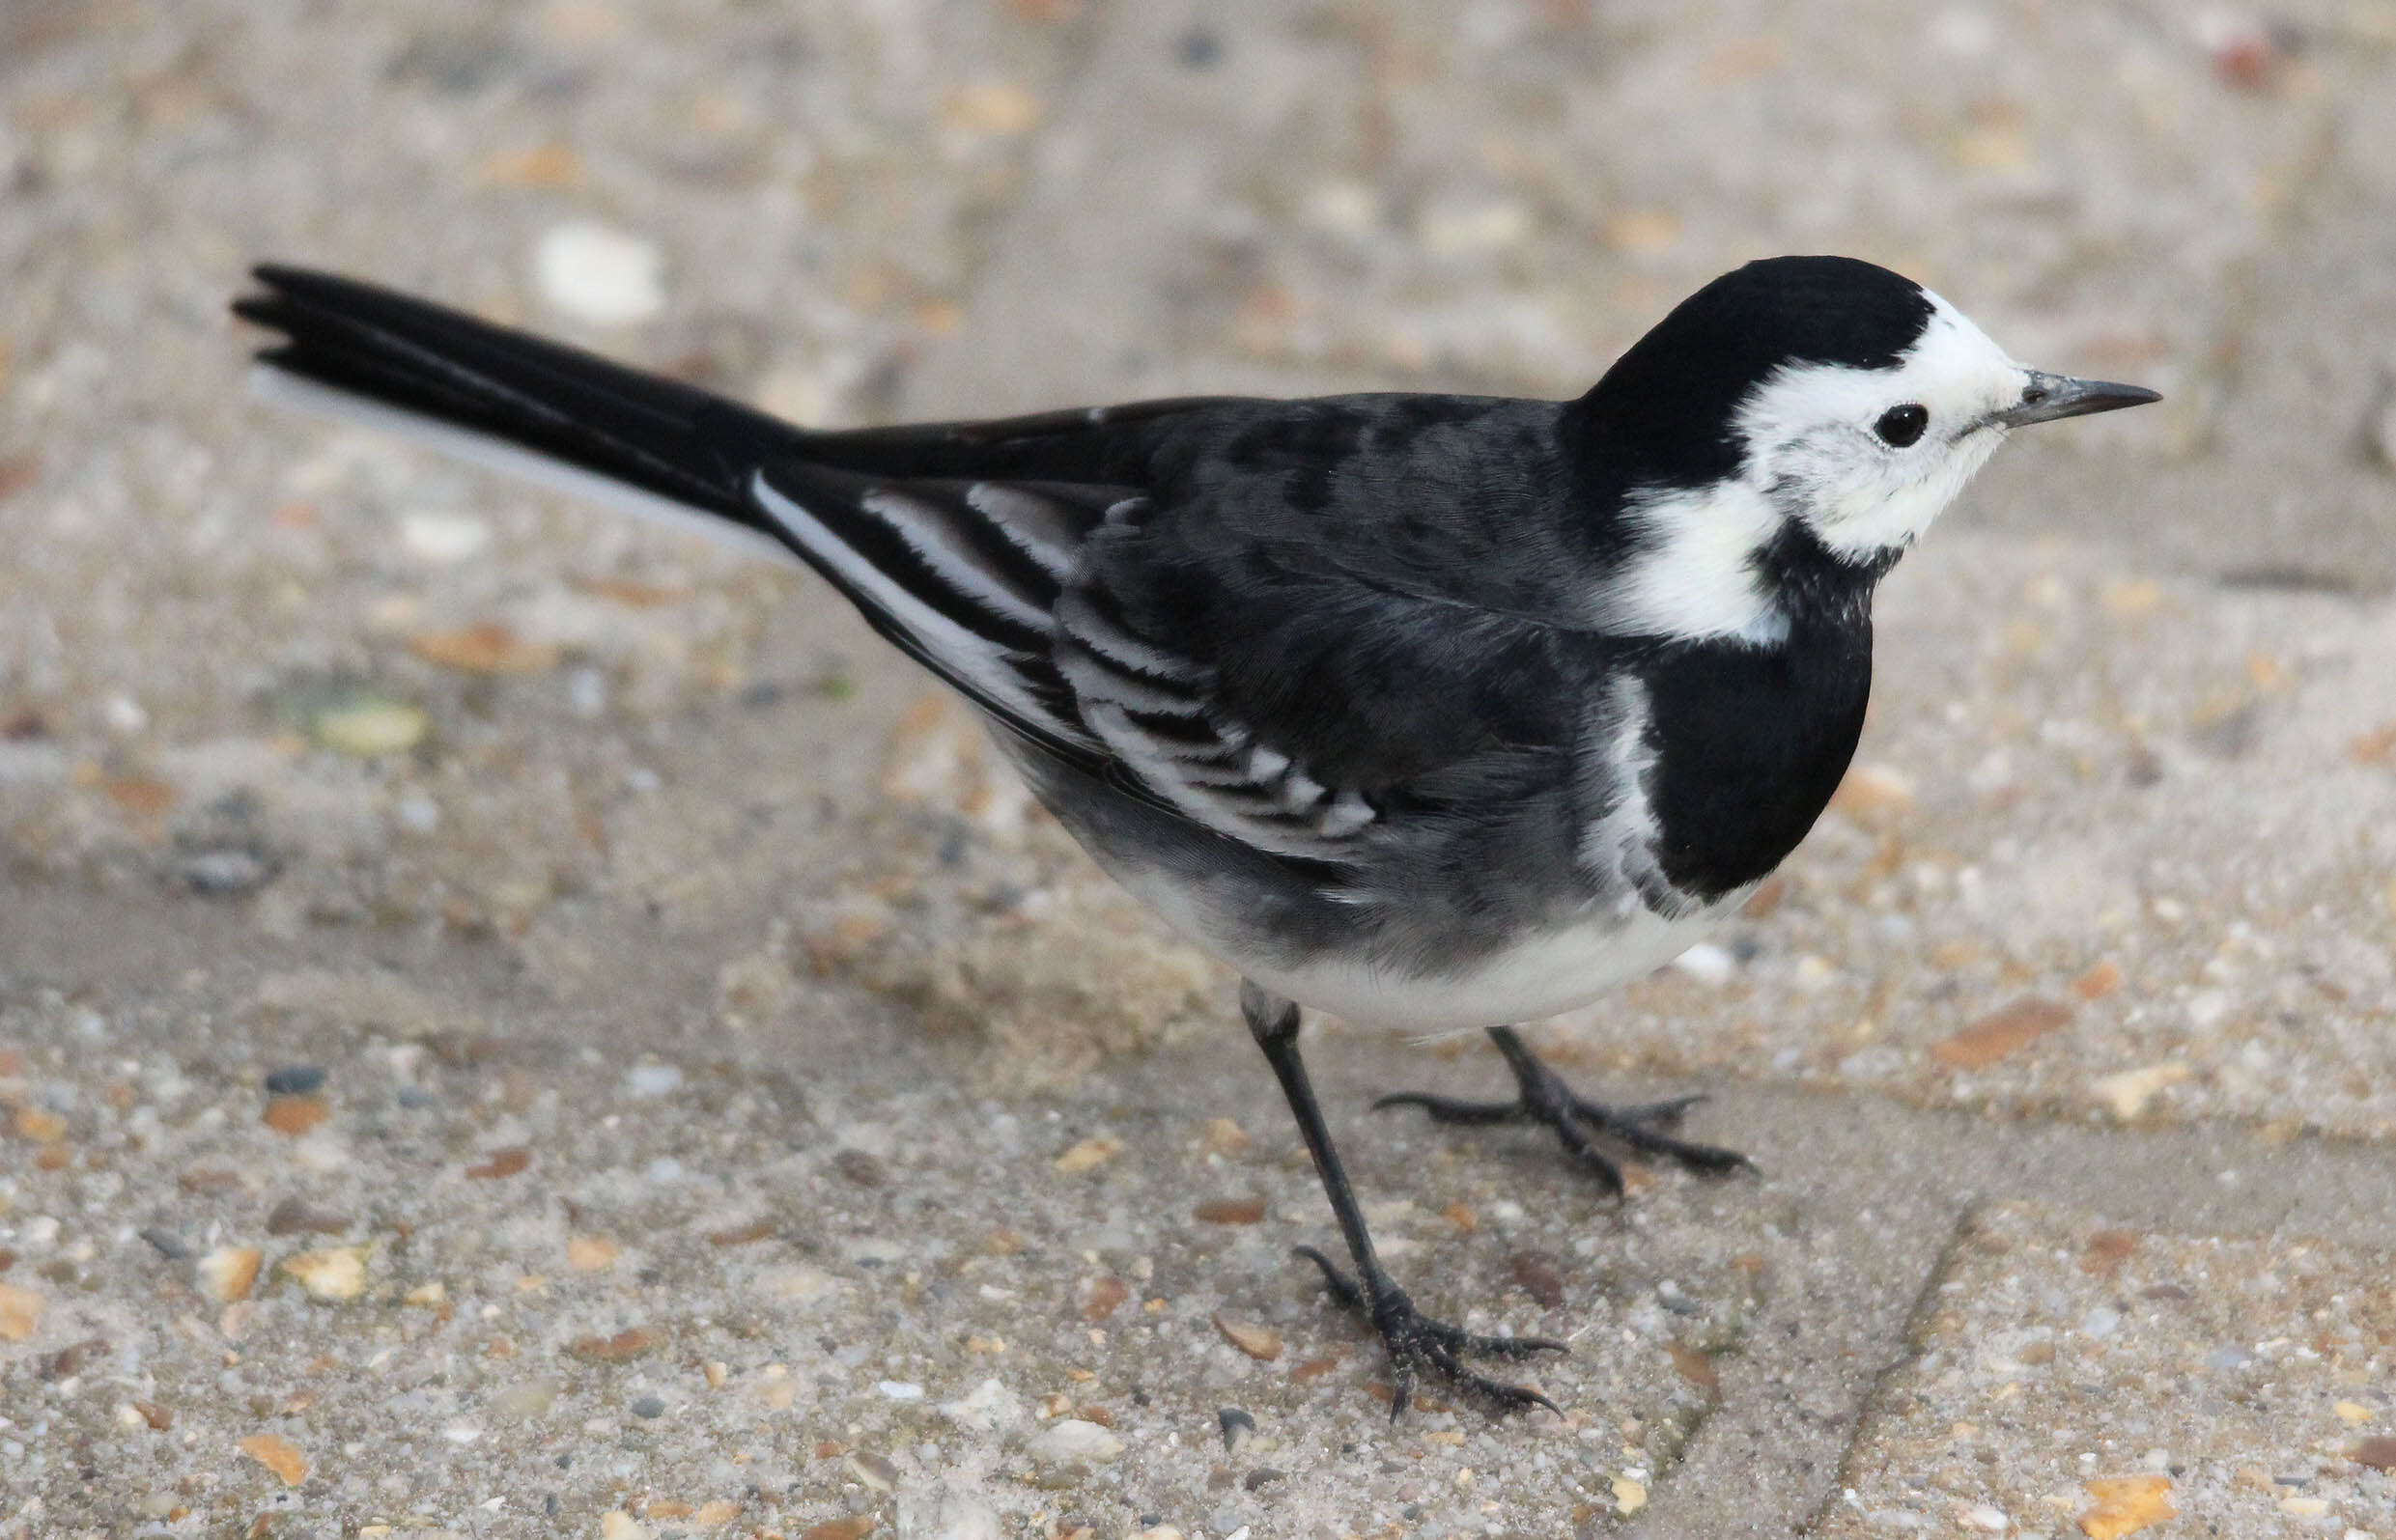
pixel 517 1022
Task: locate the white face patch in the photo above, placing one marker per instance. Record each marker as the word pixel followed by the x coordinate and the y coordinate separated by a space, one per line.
pixel 1812 451
pixel 1811 447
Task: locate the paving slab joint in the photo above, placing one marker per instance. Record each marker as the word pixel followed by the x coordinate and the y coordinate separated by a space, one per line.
pixel 1914 1338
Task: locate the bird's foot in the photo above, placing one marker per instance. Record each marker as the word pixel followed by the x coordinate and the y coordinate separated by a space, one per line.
pixel 1417 1343
pixel 1545 1097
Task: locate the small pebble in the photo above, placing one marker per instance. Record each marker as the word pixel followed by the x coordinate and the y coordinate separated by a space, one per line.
pixel 513 1160
pixel 443 539
pixel 520 1402
pixel 591 1253
pixel 334 1274
pixel 1707 963
pixel 2128 1091
pixel 586 691
pixel 294 1115
pixel 228 1272
pixel 226 872
pixel 1225 1137
pixel 900 1389
pixel 625 1345
pixel 873 1471
pixel 649 1406
pixel 1238 1427
pixel 292 1216
pixel 655 1079
pixel 1074 1441
pixel 1099 1296
pixel 1259 1343
pixel 990 1408
pixel 295 1080
pixel 369 728
pixel 19 1310
pixel 278 1454
pixel 593 273
pixel 168 1244
pixel 1089 1154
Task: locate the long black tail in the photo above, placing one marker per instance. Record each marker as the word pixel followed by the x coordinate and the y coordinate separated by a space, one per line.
pixel 678 443
pixel 958 571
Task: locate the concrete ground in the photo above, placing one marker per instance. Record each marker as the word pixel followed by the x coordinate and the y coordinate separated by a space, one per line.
pixel 515 1024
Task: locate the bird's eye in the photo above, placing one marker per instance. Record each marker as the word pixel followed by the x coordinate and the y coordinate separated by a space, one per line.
pixel 1900 426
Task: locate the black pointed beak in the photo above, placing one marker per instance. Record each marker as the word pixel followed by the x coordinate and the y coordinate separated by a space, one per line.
pixel 2049 397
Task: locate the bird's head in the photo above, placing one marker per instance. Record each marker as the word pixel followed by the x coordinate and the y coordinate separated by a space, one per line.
pixel 1814 406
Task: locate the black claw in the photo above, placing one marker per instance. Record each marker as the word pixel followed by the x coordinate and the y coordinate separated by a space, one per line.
pixel 1413 1341
pixel 1444 1110
pixel 1545 1098
pixel 1341 1287
pixel 1659 1114
pixel 1640 1135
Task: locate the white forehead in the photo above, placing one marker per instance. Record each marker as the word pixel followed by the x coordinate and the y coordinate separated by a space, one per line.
pixel 1953 369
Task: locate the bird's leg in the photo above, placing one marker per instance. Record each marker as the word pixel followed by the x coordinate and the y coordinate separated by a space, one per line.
pixel 1545 1097
pixel 1413 1339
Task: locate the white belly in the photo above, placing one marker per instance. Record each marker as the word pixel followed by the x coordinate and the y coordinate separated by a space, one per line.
pixel 1558 972
pixel 1553 971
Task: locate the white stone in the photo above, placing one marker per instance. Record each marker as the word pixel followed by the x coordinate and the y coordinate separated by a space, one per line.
pixel 598 274
pixel 1707 963
pixel 443 539
pixel 990 1408
pixel 123 714
pixel 1074 1441
pixel 655 1079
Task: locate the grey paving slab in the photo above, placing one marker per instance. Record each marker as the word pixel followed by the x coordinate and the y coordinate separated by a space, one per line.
pixel 836 1197
pixel 2080 1378
pixel 541 833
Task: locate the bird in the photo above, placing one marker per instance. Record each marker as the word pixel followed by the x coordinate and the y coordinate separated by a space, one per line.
pixel 1436 713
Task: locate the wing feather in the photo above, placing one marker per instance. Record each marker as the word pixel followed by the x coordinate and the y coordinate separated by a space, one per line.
pixel 987 580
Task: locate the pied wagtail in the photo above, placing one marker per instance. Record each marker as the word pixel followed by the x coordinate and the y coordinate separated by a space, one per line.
pixel 1438 712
